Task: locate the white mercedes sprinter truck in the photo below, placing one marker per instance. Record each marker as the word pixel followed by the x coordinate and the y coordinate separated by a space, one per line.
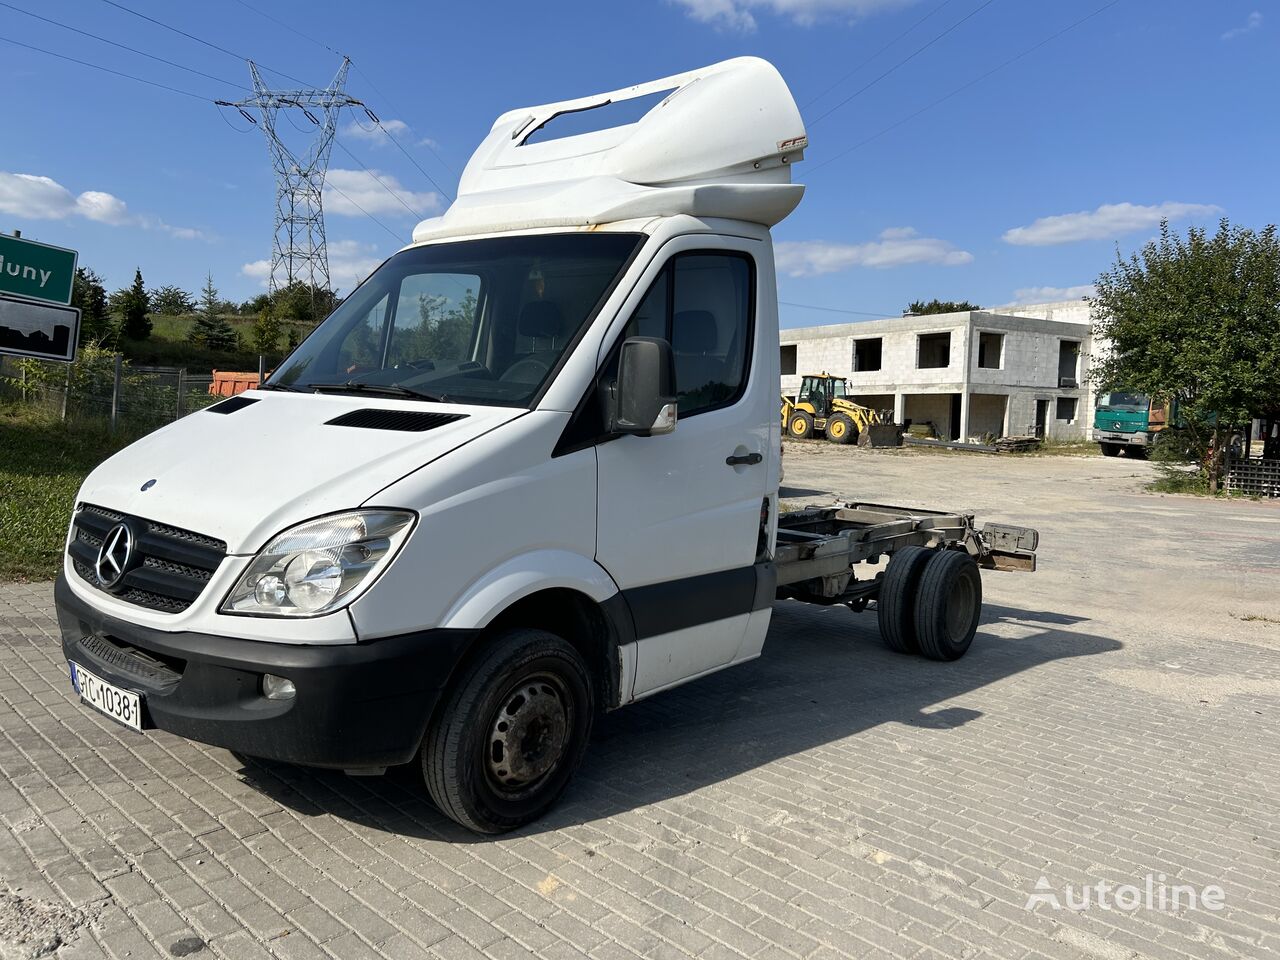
pixel 525 472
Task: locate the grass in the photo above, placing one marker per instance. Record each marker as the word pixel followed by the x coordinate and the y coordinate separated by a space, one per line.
pixel 42 464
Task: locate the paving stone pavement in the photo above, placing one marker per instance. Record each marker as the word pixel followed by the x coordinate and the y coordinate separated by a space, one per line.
pixel 830 799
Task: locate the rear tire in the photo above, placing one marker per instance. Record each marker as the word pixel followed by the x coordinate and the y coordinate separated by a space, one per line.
pixel 1110 449
pixel 948 605
pixel 840 429
pixel 800 427
pixel 512 731
pixel 895 604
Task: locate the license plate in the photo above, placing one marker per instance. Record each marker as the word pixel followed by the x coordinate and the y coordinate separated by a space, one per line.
pixel 117 704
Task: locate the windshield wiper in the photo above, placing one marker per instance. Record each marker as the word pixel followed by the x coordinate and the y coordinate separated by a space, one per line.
pixel 281 386
pixel 386 389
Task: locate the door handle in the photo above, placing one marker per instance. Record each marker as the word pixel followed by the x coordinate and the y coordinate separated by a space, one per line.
pixel 746 460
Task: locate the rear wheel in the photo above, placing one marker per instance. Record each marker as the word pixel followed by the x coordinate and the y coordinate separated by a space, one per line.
pixel 1110 449
pixel 801 426
pixel 895 604
pixel 948 605
pixel 840 429
pixel 511 733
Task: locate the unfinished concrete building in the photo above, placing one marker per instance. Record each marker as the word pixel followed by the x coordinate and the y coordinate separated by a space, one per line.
pixel 981 373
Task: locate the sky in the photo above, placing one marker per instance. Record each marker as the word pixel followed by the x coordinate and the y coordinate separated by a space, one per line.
pixel 959 149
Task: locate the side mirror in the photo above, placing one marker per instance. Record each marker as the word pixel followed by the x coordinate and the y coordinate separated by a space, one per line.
pixel 642 402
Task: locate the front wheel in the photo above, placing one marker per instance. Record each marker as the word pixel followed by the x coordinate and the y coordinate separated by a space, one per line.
pixel 511 733
pixel 840 429
pixel 1110 449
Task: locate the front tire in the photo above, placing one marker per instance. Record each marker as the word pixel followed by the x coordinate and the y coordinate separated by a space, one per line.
pixel 840 429
pixel 1110 449
pixel 511 733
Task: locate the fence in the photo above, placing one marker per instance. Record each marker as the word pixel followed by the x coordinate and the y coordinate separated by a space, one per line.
pixel 103 387
pixel 1254 477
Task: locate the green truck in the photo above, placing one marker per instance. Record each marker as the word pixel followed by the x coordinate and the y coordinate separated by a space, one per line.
pixel 1128 421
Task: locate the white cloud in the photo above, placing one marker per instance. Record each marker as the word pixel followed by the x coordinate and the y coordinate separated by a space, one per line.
pixel 738 15
pixel 350 261
pixel 1052 294
pixel 370 134
pixel 1252 23
pixel 896 247
pixel 347 191
pixel 43 198
pixel 1108 221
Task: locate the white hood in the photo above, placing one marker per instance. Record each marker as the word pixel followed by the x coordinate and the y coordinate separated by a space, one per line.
pixel 245 476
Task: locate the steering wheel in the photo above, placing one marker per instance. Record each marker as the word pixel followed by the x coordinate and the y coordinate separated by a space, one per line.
pixel 526 370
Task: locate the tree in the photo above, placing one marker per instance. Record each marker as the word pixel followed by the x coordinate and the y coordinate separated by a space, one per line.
pixel 134 306
pixel 1195 320
pixel 212 329
pixel 303 303
pixel 172 300
pixel 88 293
pixel 254 306
pixel 266 332
pixel 920 308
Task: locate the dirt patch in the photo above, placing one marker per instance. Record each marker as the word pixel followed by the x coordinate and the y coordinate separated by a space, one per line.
pixel 31 929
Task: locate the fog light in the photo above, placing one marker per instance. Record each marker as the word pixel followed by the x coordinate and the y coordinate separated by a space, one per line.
pixel 277 688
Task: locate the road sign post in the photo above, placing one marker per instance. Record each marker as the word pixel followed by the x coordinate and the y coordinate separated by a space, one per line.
pixel 36 271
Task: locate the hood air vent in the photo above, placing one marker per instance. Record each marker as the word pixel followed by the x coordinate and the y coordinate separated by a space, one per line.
pixel 232 404
pixel 411 421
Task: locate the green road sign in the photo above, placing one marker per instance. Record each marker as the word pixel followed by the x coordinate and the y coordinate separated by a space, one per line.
pixel 36 271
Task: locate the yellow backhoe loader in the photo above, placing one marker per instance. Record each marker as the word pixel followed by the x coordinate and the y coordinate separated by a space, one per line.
pixel 823 406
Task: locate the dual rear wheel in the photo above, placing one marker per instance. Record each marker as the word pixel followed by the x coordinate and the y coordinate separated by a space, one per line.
pixel 930 602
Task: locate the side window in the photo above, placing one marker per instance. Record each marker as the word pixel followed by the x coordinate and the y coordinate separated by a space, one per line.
pixel 702 304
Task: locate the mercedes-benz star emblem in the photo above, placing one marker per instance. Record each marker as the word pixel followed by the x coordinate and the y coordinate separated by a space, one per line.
pixel 114 555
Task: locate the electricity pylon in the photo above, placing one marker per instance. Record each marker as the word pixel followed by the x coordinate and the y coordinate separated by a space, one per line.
pixel 298 250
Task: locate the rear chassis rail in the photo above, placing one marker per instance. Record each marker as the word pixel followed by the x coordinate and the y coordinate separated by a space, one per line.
pixel 819 547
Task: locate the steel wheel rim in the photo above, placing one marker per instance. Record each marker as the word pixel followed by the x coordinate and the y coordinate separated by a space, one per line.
pixel 528 734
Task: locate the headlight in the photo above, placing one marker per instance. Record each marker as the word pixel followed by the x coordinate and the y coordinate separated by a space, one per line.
pixel 321 565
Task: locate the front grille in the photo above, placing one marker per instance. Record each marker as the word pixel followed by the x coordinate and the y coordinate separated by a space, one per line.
pixel 169 568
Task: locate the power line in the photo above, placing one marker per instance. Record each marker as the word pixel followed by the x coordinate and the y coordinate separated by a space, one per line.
pixel 141 53
pixel 861 66
pixel 904 61
pixel 398 237
pixel 385 99
pixel 857 313
pixel 200 40
pixel 292 29
pixel 381 126
pixel 958 90
pixel 343 148
pixel 118 73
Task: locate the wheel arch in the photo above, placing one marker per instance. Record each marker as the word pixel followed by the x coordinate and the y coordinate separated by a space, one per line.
pixel 560 592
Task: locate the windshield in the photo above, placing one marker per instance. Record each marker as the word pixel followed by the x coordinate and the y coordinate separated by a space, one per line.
pixel 477 321
pixel 1123 401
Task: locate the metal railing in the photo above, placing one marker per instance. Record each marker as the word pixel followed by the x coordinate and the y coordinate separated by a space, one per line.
pixel 105 388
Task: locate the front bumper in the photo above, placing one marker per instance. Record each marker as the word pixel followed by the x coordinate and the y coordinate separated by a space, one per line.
pixel 1139 439
pixel 358 705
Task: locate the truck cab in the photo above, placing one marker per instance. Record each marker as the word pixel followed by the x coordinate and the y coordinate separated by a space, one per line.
pixel 1127 421
pixel 528 470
